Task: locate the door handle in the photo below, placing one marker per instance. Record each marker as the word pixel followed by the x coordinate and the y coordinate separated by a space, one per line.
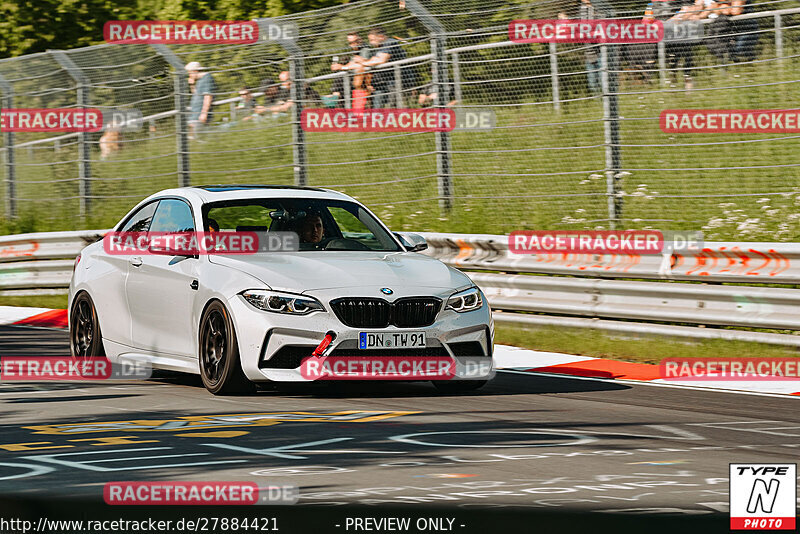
pixel 136 261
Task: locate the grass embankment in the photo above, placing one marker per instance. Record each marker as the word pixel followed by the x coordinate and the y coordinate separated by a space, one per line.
pixel 538 169
pixel 630 348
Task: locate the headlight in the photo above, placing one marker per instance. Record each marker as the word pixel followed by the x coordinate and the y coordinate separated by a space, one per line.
pixel 465 301
pixel 282 302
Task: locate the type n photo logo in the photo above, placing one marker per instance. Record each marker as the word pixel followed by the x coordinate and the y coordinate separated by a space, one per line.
pixel 763 496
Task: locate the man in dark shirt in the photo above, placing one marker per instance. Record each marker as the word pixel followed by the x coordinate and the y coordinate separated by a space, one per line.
pixel 360 50
pixel 385 49
pixel 283 99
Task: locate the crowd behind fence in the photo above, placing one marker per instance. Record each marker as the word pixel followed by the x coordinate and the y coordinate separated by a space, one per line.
pixel 576 142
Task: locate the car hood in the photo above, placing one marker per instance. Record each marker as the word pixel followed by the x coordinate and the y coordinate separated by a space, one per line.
pixel 314 270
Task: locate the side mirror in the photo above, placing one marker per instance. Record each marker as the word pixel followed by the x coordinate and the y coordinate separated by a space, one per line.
pixel 171 244
pixel 412 242
pixel 159 250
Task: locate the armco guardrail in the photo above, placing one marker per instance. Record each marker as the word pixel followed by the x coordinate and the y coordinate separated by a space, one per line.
pixel 31 263
pixel 768 263
pixel 749 307
pixel 40 263
pixel 594 289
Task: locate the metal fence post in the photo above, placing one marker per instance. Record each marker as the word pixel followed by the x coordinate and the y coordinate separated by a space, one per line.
pixel 554 77
pixel 181 90
pixel 443 161
pixel 778 36
pixel 398 86
pixel 297 93
pixel 84 162
pixel 8 139
pixel 442 89
pixel 457 79
pixel 610 85
pixel 346 87
pixel 662 62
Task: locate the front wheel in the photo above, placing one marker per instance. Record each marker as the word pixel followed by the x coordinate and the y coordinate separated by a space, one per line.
pixel 220 368
pixel 85 338
pixel 458 386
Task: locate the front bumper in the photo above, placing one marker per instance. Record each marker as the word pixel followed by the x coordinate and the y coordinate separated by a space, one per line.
pixel 265 338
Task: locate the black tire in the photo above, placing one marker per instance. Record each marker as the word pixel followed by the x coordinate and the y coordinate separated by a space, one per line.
pixel 458 386
pixel 220 368
pixel 85 337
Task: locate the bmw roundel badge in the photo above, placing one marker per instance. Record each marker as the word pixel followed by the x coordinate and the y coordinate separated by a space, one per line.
pixel 386 291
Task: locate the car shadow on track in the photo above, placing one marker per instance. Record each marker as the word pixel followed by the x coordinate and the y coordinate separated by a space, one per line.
pixel 502 384
pixel 67 399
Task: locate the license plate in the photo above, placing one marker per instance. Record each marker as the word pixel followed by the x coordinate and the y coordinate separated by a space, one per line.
pixel 391 340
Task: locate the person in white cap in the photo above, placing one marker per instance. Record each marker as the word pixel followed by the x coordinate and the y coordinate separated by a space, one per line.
pixel 200 104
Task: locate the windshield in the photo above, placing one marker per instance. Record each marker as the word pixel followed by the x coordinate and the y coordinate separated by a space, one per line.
pixel 321 224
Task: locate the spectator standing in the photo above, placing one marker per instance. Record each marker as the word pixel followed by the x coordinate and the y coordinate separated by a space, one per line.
pixel 201 113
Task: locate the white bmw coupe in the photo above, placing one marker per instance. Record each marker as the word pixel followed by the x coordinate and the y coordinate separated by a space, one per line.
pixel 351 289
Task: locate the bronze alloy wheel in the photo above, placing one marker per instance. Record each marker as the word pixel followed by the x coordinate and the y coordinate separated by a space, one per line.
pixel 86 341
pixel 220 369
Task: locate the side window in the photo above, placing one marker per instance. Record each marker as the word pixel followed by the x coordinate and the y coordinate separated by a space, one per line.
pixel 241 217
pixel 140 221
pixel 172 216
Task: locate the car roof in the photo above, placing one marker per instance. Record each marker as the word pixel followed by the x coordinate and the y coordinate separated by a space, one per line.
pixel 215 193
pixel 241 187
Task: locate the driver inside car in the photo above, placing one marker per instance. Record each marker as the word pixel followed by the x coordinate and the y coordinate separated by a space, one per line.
pixel 311 228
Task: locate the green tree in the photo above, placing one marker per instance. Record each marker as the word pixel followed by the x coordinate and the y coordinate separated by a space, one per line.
pixel 29 26
pixel 34 26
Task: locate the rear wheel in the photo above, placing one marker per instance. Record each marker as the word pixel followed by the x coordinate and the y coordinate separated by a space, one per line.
pixel 220 368
pixel 458 386
pixel 85 338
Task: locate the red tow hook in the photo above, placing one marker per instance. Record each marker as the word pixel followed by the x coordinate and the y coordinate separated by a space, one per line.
pixel 322 347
